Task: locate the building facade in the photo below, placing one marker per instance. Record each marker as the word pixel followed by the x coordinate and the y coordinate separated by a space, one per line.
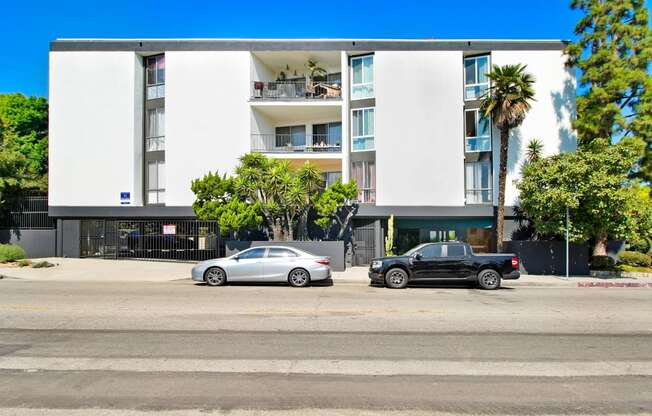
pixel 133 122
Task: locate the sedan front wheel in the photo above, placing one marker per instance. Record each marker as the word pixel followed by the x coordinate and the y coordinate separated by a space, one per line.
pixel 215 277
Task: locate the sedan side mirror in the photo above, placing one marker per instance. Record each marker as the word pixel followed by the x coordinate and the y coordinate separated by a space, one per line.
pixel 236 257
pixel 418 256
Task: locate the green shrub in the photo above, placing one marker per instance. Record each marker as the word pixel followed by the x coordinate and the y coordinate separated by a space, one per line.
pixel 634 258
pixel 602 263
pixel 42 264
pixel 11 252
pixel 642 245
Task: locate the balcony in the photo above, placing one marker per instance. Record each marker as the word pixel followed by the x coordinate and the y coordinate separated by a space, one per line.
pixel 295 143
pixel 367 196
pixel 296 90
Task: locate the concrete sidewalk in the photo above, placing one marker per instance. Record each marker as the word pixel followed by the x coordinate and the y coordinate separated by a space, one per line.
pixel 100 270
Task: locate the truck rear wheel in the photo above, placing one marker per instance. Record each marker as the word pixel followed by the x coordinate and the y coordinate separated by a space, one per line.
pixel 489 279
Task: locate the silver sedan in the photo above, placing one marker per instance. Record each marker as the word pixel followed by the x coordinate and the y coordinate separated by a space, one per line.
pixel 264 264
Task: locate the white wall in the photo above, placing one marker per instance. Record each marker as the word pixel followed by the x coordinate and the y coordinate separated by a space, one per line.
pixel 207 117
pixel 95 125
pixel 419 127
pixel 549 120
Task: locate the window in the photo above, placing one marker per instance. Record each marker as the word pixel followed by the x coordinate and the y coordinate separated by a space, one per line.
pixel 331 177
pixel 281 252
pixel 362 126
pixel 364 174
pixel 155 76
pixel 455 250
pixel 156 182
pixel 478 182
pixel 327 136
pixel 155 130
pixel 478 132
pixel 362 77
pixel 476 82
pixel 291 137
pixel 431 251
pixel 253 253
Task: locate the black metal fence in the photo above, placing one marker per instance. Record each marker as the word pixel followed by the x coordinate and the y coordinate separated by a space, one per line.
pixel 151 239
pixel 26 212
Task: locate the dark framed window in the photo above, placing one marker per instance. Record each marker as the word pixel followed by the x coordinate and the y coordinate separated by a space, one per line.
pixel 155 76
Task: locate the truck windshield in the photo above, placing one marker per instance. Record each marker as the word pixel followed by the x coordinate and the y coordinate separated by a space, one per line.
pixel 413 250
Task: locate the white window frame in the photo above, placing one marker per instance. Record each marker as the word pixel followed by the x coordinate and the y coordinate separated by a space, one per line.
pixel 160 192
pixel 477 75
pixel 372 136
pixel 477 118
pixel 360 58
pixel 158 139
pixel 467 189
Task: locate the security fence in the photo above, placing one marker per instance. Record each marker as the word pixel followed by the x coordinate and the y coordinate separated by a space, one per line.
pixel 172 239
pixel 26 212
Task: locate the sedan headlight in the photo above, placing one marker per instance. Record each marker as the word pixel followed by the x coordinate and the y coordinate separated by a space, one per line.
pixel 376 264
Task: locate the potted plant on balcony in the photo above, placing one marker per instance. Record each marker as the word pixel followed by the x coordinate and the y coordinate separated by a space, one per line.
pixel 313 70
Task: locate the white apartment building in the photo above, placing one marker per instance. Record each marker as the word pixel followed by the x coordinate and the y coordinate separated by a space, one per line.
pixel 133 122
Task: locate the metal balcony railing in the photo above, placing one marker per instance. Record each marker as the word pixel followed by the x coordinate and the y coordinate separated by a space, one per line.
pixel 290 143
pixel 366 195
pixel 153 144
pixel 295 89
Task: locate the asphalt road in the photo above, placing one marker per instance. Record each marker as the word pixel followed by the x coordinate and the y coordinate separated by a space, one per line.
pixel 139 348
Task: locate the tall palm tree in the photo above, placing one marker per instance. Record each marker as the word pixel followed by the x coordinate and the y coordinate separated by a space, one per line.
pixel 507 102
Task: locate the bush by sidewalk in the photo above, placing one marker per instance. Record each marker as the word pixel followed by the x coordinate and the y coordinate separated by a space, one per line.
pixel 11 252
pixel 602 263
pixel 636 259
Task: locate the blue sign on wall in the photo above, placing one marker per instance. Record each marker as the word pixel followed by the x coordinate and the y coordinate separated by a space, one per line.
pixel 125 198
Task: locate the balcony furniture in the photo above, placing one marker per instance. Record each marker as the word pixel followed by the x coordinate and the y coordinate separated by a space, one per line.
pixel 330 90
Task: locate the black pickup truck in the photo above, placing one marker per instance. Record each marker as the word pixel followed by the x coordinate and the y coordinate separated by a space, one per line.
pixel 446 260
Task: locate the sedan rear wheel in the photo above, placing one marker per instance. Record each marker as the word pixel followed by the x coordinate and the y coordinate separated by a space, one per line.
pixel 489 279
pixel 299 278
pixel 215 276
pixel 396 278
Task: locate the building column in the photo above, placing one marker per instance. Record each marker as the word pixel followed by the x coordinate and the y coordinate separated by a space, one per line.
pixel 346 128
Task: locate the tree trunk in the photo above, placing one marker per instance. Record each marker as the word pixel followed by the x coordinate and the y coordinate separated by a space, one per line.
pixel 302 228
pixel 502 178
pixel 277 231
pixel 600 247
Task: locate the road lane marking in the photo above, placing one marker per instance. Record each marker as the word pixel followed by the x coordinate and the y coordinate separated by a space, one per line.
pixel 334 367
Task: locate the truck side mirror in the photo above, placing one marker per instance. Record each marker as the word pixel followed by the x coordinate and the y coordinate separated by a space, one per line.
pixel 418 256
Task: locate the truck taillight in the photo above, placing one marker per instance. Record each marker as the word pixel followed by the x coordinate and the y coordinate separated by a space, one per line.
pixel 515 262
pixel 325 262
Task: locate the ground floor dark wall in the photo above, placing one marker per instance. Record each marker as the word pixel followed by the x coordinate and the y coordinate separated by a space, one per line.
pixel 549 257
pixel 36 243
pixel 333 249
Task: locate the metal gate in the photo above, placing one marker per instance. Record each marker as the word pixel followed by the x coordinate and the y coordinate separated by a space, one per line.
pixel 364 240
pixel 151 239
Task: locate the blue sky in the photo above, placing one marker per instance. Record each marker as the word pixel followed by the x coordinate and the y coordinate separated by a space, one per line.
pixel 28 26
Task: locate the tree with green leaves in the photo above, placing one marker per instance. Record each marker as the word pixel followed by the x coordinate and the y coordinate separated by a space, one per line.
pixel 594 186
pixel 337 206
pixel 613 53
pixel 24 129
pixel 217 199
pixel 506 103
pixel 534 150
pixel 15 173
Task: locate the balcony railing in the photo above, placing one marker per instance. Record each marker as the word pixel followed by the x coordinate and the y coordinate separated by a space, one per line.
pixel 153 144
pixel 478 196
pixel 366 195
pixel 290 143
pixel 296 89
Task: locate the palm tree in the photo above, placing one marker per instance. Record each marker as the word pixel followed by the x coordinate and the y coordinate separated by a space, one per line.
pixel 507 102
pixel 534 150
pixel 314 69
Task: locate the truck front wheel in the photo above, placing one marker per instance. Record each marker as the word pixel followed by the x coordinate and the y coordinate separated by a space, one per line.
pixel 489 279
pixel 396 278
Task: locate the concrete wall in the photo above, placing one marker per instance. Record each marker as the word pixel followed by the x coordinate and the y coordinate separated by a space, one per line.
pixel 549 120
pixel 207 117
pixel 36 243
pixel 549 257
pixel 419 127
pixel 95 128
pixel 332 249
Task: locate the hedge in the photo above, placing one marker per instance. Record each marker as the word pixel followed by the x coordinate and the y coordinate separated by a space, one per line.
pixel 634 258
pixel 11 252
pixel 602 263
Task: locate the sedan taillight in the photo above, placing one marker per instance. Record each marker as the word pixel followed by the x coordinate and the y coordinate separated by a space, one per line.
pixel 515 262
pixel 325 262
